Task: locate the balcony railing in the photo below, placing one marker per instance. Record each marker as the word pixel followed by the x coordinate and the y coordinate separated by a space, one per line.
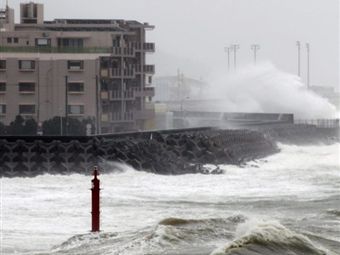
pixel 118 94
pixel 149 47
pixel 147 92
pixel 28 49
pixel 120 51
pixel 131 94
pixel 125 73
pixel 150 69
pixel 122 117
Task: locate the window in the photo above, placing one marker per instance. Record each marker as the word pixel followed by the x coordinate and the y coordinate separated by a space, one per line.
pixel 71 42
pixel 75 87
pixel 42 42
pixel 74 65
pixel 2 109
pixel 27 87
pixel 9 39
pixel 26 64
pixel 16 40
pixel 2 87
pixel 2 64
pixel 75 109
pixel 27 109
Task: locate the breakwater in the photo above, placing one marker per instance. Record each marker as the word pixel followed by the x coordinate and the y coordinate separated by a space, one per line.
pixel 300 134
pixel 164 152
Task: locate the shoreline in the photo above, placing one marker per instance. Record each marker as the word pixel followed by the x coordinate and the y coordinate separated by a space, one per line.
pixel 168 152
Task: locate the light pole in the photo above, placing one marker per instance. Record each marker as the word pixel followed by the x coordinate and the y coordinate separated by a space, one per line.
pixel 234 48
pixel 308 64
pixel 298 44
pixel 227 50
pixel 255 48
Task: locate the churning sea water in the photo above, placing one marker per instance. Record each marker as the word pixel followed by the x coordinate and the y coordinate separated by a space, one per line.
pixel 288 203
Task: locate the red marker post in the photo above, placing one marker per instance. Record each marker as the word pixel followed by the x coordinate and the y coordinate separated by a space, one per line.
pixel 95 201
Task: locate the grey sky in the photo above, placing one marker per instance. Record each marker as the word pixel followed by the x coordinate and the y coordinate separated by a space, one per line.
pixel 192 34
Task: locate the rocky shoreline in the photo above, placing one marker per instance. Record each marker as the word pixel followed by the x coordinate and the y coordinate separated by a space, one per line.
pixel 168 152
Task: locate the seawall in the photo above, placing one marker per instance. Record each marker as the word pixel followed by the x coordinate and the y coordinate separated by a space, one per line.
pixel 163 152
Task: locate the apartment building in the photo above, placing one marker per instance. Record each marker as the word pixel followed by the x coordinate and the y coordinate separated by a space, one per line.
pixel 76 68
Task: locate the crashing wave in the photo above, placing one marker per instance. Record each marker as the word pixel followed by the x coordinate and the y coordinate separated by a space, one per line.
pixel 269 238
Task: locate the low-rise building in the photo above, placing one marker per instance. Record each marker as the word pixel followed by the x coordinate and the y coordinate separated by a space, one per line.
pixel 75 68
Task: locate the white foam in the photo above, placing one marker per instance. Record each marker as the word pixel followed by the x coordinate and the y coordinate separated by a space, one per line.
pixel 41 212
pixel 264 88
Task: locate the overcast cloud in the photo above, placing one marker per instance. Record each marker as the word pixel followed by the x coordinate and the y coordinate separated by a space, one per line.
pixel 191 34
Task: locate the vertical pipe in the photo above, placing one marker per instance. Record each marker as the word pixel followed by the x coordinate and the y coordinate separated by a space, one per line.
pixel 66 105
pixel 95 190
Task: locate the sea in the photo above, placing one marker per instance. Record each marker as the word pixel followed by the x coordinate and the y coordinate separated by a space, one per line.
pixel 284 204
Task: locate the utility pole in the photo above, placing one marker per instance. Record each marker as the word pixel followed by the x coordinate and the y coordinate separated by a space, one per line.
pixel 234 48
pixel 227 50
pixel 66 105
pixel 308 64
pixel 255 48
pixel 298 44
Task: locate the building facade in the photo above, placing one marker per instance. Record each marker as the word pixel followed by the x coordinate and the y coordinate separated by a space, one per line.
pixel 76 68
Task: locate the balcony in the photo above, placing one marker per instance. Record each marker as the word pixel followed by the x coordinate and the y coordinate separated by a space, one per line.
pixel 122 73
pixel 122 117
pixel 147 47
pixel 121 95
pixel 146 92
pixel 123 52
pixel 149 69
pixel 28 49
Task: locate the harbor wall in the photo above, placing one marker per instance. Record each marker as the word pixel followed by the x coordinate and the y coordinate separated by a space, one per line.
pixel 163 152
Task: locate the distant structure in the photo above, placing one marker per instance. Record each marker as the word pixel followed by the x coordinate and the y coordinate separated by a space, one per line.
pixel 298 44
pixel 177 88
pixel 328 93
pixel 255 48
pixel 75 68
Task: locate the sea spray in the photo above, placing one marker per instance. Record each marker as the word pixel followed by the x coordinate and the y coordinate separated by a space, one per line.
pixel 265 89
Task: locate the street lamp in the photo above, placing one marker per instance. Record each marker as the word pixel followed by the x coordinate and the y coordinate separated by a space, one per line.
pixel 234 48
pixel 255 48
pixel 227 50
pixel 308 64
pixel 298 44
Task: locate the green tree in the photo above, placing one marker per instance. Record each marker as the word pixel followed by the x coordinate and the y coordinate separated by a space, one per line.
pixel 30 127
pixel 16 127
pixel 75 126
pixel 2 129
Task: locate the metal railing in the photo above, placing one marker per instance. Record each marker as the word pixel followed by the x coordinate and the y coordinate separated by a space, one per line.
pixel 145 68
pixel 31 49
pixel 150 47
pixel 120 51
pixel 322 123
pixel 126 73
pixel 131 93
pixel 118 116
pixel 118 94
